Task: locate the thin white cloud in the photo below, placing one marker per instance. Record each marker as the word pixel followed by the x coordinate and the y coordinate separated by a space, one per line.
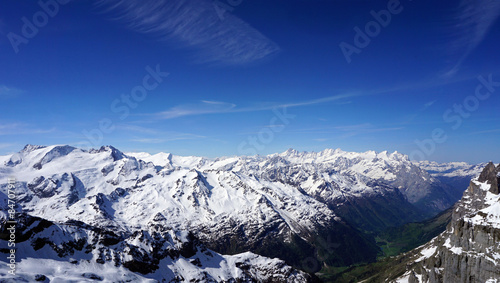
pixel 427 105
pixel 274 126
pixel 411 117
pixel 169 138
pixel 211 107
pixel 470 26
pixel 205 107
pixel 135 128
pixel 486 132
pixel 366 128
pixel 194 24
pixel 148 140
pixel 320 100
pixel 8 92
pixel 215 107
pixel 16 128
pixel 149 135
pixel 11 126
pixel 7 145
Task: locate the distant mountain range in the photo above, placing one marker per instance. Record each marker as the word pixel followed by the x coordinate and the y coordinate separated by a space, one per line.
pixel 216 219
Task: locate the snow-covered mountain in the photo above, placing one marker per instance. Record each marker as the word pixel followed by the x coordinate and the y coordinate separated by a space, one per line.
pixel 394 169
pixel 351 172
pixel 457 175
pixel 76 252
pixel 469 249
pixel 297 206
pixel 451 169
pixel 229 211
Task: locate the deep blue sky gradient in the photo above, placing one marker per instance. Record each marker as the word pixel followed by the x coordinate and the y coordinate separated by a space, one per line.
pixel 391 95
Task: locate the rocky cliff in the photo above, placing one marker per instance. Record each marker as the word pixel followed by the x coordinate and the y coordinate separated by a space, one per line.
pixel 469 249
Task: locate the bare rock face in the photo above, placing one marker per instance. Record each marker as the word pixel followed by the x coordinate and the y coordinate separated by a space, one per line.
pixel 490 176
pixel 469 249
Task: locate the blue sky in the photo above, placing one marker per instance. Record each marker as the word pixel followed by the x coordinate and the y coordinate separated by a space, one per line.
pixel 253 77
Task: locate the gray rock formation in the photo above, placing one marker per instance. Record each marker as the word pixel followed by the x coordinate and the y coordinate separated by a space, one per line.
pixel 490 176
pixel 469 249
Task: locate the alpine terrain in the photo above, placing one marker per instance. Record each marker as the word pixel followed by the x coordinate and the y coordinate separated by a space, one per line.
pixel 469 249
pixel 192 218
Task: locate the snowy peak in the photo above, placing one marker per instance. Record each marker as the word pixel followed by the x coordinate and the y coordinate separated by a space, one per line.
pixel 39 155
pixel 31 147
pixel 331 154
pixel 115 153
pixel 394 169
pixel 451 169
pixel 480 204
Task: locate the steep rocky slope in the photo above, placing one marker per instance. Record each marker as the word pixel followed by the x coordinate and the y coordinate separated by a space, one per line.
pixel 469 249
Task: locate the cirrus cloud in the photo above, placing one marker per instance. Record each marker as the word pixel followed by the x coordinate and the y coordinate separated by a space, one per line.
pixel 194 24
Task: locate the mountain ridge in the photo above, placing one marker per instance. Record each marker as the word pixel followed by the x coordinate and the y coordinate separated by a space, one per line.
pixel 309 209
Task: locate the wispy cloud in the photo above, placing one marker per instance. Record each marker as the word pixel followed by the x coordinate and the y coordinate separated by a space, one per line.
pixel 168 138
pixel 366 128
pixel 486 132
pixel 412 116
pixel 22 129
pixel 137 129
pixel 204 107
pixel 9 92
pixel 322 100
pixel 470 26
pixel 7 145
pixel 148 140
pixel 194 24
pixel 149 135
pixel 213 107
pixel 427 105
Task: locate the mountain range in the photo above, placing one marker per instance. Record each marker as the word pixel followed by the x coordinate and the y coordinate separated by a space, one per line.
pixel 221 219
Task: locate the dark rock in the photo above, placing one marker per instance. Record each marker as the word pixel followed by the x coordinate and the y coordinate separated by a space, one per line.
pixel 196 262
pixel 115 153
pixel 109 238
pixel 148 176
pixel 30 147
pixel 490 176
pixel 107 169
pixel 92 276
pixel 40 277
